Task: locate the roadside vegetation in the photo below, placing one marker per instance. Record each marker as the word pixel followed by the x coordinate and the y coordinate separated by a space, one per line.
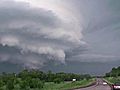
pixel 68 85
pixel 113 76
pixel 38 80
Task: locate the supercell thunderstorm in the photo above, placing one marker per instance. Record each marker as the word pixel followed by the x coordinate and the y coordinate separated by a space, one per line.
pixel 40 33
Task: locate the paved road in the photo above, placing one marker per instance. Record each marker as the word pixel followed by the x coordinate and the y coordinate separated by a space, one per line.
pixel 99 86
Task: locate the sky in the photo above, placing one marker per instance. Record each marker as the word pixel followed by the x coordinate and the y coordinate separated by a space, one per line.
pixel 80 36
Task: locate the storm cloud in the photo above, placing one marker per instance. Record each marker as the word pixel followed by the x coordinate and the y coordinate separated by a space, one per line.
pixel 36 32
pixel 39 34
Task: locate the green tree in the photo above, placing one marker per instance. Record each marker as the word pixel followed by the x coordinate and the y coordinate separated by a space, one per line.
pixel 24 85
pixel 10 85
pixel 40 84
pixel 57 80
pixel 1 83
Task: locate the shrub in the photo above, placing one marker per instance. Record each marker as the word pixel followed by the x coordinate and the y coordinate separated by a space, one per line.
pixel 33 83
pixel 24 84
pixel 57 80
pixel 36 83
pixel 40 84
pixel 10 85
pixel 1 83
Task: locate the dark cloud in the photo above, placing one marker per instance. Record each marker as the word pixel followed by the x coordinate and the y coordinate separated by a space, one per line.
pixel 39 34
pixel 81 31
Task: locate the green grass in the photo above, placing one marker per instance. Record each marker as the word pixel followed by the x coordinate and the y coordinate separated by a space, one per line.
pixel 67 85
pixel 112 80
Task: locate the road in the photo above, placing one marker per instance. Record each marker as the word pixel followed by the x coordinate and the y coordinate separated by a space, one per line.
pixel 99 86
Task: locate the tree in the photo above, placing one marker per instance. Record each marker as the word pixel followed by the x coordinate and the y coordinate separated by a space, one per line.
pixel 36 83
pixel 23 85
pixel 57 80
pixel 40 84
pixel 50 76
pixel 10 85
pixel 1 83
pixel 33 83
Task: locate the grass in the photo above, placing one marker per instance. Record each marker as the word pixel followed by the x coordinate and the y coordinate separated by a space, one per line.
pixel 67 85
pixel 112 80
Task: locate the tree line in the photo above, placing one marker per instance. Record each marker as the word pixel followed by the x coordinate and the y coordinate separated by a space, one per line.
pixel 32 79
pixel 115 72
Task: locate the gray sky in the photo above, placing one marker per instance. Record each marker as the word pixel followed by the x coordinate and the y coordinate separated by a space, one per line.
pixel 61 35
